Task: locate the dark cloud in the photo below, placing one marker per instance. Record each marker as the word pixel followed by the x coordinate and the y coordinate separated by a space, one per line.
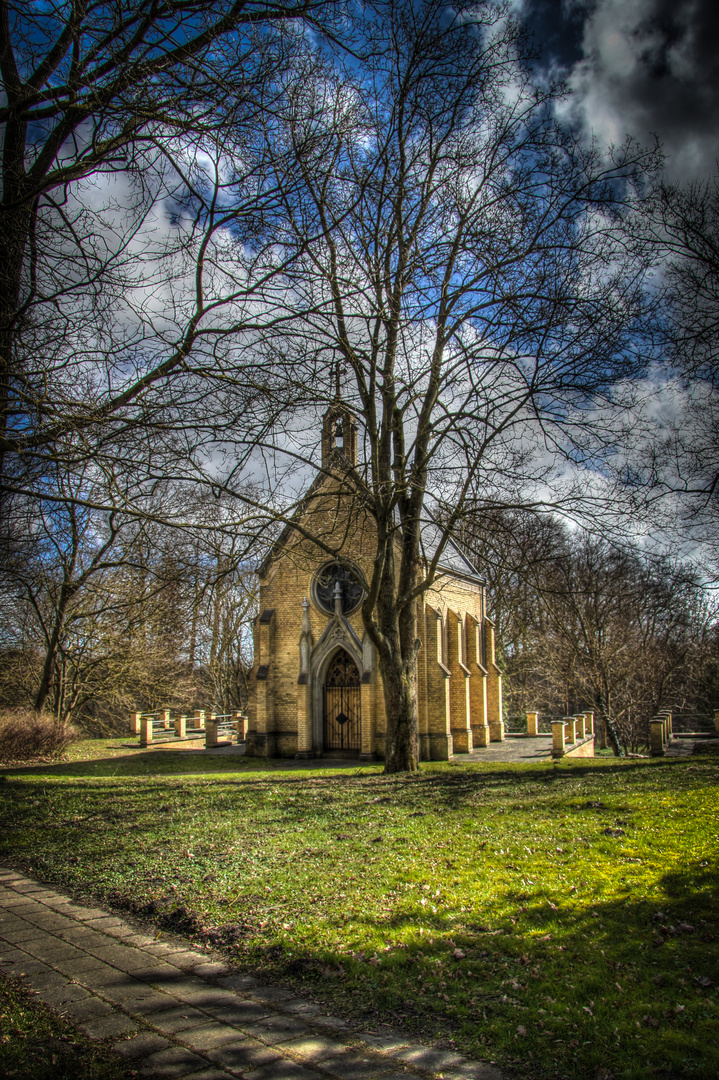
pixel 641 67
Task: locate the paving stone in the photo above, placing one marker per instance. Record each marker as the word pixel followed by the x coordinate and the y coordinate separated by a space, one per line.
pixel 128 993
pixel 332 1022
pixel 427 1058
pixel 284 1070
pixel 83 962
pixel 32 967
pixel 157 970
pixel 271 993
pixel 86 914
pixel 277 1028
pixel 175 1061
pixel 352 1066
pixel 209 969
pixel 176 1019
pixel 210 1035
pixel 242 1056
pixel 25 933
pixel 238 982
pixel 473 1070
pixel 182 985
pixel 54 952
pixel 213 1073
pixel 104 922
pixel 241 1013
pixel 145 1042
pixel 45 979
pixel 152 1002
pixel 105 1026
pixel 301 1008
pixel 89 1009
pixel 205 997
pixel 58 995
pixel 312 1048
pixel 386 1043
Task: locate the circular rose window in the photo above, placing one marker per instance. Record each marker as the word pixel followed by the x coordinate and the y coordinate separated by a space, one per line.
pixel 325 581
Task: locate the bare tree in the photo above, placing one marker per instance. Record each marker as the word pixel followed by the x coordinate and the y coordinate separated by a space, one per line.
pixel 106 107
pixel 468 279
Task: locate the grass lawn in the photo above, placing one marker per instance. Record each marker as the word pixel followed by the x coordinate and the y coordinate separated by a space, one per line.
pixel 559 918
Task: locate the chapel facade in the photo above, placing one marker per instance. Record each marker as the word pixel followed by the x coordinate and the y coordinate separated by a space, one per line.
pixel 316 689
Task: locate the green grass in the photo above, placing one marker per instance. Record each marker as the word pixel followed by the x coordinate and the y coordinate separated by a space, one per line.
pixel 558 918
pixel 36 1045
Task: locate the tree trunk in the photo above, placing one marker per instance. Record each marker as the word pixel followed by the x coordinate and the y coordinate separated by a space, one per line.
pixel 399 679
pixel 52 648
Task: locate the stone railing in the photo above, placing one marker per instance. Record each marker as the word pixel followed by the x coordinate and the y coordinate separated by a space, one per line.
pixel 573 736
pixel 160 728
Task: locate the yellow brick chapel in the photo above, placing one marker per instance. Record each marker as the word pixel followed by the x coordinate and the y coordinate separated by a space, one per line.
pixel 315 688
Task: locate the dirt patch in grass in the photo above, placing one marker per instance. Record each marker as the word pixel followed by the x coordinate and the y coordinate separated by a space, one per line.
pixel 556 918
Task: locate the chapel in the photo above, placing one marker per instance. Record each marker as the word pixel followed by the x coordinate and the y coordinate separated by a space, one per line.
pixel 316 688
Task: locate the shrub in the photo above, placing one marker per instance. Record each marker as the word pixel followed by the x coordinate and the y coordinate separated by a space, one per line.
pixel 25 735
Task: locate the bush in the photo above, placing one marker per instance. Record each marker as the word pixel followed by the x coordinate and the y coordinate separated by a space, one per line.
pixel 25 735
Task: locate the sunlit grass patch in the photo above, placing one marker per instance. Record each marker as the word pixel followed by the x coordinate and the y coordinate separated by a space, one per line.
pixel 560 917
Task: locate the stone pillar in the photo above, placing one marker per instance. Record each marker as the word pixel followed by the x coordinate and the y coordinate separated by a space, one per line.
pixel 304 722
pixel 532 723
pixel 569 734
pixel 211 732
pixel 181 727
pixel 459 702
pixel 261 736
pixel 145 731
pixel 135 718
pixel 439 736
pixel 198 719
pixel 656 737
pixel 367 720
pixel 558 733
pixel 477 685
pixel 495 716
pixel 589 723
pixel 241 721
pixel 579 727
pixel 165 718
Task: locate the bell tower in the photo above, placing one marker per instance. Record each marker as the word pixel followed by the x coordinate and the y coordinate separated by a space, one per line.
pixel 339 429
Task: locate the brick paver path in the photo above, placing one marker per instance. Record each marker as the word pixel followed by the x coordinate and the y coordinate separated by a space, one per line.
pixel 173 1011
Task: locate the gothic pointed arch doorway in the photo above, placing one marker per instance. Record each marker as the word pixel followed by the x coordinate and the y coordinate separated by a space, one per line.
pixel 342 727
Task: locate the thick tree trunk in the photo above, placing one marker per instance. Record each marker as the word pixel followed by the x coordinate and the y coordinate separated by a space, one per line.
pixel 399 678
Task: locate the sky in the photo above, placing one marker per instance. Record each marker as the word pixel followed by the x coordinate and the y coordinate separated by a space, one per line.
pixel 640 68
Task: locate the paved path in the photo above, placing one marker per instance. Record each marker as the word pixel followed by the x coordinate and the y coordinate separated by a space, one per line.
pixel 173 1011
pixel 534 748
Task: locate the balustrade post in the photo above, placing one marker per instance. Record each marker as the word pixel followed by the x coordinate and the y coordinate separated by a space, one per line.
pixel 211 726
pixel 145 730
pixel 181 726
pixel 532 723
pixel 656 737
pixel 135 723
pixel 558 737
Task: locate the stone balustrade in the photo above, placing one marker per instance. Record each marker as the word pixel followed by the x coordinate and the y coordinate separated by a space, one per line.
pixel 660 732
pixel 160 728
pixel 573 736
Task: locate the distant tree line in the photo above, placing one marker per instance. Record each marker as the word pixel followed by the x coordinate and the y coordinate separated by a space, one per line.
pixel 106 614
pixel 588 624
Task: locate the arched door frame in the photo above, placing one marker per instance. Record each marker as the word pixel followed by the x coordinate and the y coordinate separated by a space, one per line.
pixel 320 662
